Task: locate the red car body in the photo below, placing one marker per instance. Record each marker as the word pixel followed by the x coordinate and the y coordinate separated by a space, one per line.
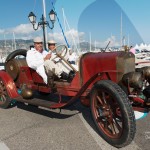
pixel 92 68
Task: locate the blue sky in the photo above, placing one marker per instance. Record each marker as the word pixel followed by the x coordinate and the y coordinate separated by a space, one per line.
pixel 102 19
pixel 139 13
pixel 136 14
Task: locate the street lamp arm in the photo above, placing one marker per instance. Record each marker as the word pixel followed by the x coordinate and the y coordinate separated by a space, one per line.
pixel 50 26
pixel 36 28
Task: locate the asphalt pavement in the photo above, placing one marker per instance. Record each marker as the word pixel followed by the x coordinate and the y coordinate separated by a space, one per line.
pixel 24 127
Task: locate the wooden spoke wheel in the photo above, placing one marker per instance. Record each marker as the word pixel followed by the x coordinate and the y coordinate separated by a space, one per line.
pixel 4 97
pixel 112 113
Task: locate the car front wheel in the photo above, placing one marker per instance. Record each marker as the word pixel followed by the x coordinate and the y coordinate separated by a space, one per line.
pixel 112 113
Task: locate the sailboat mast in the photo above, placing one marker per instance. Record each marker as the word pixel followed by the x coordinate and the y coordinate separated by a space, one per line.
pixel 14 40
pixel 12 45
pixel 64 17
pixel 66 24
pixel 128 40
pixel 44 14
pixel 121 31
pixel 95 45
pixel 5 44
pixel 124 40
pixel 90 41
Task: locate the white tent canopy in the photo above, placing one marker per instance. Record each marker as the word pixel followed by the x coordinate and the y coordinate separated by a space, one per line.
pixel 142 46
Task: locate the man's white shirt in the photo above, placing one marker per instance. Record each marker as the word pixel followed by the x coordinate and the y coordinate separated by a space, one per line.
pixel 35 60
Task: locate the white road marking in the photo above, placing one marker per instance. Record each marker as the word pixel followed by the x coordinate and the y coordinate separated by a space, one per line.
pixel 103 144
pixel 3 146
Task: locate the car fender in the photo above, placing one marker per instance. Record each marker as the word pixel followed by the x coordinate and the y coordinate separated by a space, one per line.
pixel 9 83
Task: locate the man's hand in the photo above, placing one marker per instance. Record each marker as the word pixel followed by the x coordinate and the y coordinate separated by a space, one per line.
pixel 48 56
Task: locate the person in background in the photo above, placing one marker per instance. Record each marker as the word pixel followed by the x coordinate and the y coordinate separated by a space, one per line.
pixel 132 50
pixel 72 57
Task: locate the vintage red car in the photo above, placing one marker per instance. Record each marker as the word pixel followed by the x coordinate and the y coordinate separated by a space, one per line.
pixel 107 82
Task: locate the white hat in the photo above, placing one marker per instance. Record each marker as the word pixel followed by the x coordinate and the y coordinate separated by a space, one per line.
pixel 51 42
pixel 37 40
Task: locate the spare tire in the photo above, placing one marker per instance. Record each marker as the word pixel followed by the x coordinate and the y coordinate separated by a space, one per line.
pixel 15 53
pixel 12 67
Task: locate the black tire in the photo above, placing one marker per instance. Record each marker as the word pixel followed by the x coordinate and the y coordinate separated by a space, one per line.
pixel 15 53
pixel 5 100
pixel 111 111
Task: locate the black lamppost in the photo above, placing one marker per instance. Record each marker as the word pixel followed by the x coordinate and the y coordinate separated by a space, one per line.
pixel 43 23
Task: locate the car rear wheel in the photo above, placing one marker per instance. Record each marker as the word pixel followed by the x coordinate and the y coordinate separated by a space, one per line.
pixel 112 113
pixel 5 100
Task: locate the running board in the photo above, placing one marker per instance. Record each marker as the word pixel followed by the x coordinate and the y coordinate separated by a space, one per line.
pixel 40 102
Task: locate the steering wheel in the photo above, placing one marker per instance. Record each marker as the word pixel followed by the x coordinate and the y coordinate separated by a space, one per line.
pixel 61 50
